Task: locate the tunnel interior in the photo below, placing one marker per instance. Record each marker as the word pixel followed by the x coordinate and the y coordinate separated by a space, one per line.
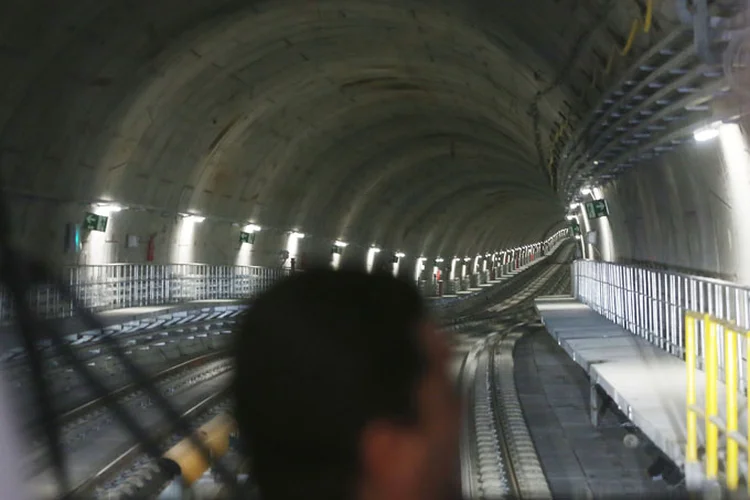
pixel 428 128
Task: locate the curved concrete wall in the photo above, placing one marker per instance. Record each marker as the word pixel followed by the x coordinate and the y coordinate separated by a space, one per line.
pixel 686 210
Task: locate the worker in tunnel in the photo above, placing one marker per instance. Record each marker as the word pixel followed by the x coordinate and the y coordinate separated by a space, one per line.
pixel 349 397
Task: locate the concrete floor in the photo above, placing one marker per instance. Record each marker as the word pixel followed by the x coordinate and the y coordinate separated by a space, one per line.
pixel 580 461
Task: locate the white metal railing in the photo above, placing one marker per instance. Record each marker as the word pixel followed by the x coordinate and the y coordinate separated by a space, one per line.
pixel 117 286
pixel 652 304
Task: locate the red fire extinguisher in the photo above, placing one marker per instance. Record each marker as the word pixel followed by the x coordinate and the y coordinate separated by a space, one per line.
pixel 150 248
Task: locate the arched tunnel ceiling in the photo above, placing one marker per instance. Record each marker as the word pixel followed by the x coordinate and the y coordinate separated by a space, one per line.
pixel 403 122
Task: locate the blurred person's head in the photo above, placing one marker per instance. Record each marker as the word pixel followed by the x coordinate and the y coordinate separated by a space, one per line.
pixel 344 392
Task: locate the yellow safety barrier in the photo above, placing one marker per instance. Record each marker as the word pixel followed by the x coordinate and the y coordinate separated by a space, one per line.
pixel 188 458
pixel 710 411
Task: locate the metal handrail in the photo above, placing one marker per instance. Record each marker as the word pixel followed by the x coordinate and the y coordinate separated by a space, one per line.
pixel 118 286
pixel 734 337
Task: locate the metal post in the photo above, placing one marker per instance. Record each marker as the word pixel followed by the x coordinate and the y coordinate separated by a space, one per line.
pixel 595 403
pixel 712 403
pixel 692 466
pixel 730 371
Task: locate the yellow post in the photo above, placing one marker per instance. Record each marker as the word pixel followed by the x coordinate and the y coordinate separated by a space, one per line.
pixel 730 371
pixel 691 451
pixel 712 403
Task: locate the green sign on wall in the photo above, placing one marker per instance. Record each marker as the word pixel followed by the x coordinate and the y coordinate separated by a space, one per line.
pixel 576 228
pixel 597 208
pixel 247 238
pixel 94 222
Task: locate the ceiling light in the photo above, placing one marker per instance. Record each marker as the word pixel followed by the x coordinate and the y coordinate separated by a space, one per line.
pixel 439 259
pixel 252 228
pixel 297 234
pixel 400 254
pixel 340 244
pixel 573 206
pixel 596 162
pixel 585 191
pixel 374 249
pixel 707 133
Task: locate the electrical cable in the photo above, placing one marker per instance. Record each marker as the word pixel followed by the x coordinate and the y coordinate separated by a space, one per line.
pixel 18 272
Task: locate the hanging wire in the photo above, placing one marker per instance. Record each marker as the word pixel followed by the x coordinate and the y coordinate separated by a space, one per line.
pixel 18 272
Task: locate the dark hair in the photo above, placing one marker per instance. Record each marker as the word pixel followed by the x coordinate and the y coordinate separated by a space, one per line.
pixel 318 356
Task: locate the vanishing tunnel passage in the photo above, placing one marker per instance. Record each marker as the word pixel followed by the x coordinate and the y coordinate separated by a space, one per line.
pixel 579 167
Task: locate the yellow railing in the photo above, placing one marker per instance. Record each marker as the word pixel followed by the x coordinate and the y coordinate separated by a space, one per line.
pixel 710 411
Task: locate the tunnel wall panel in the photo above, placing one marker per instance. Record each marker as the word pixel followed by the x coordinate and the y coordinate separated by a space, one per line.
pixel 675 211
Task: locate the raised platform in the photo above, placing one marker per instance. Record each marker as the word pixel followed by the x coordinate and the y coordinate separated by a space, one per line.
pixel 647 384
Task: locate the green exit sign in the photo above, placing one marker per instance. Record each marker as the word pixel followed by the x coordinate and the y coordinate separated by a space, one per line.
pixel 247 238
pixel 597 208
pixel 576 229
pixel 94 222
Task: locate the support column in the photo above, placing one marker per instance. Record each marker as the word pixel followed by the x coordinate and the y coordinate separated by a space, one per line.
pixel 595 403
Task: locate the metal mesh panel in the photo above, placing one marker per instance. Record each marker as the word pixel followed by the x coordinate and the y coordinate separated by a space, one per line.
pixel 118 286
pixel 652 304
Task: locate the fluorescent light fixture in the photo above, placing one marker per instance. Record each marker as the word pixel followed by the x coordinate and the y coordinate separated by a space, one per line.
pixel 707 133
pixel 252 228
pixel 400 254
pixel 341 244
pixel 374 249
pixel 297 234
pixel 193 218
pixel 467 259
pixel 108 208
pixel 439 259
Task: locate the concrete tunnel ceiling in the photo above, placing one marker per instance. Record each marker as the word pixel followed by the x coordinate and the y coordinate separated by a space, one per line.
pixel 400 122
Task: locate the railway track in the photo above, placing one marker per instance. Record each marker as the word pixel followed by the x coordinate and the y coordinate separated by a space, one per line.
pixel 91 437
pixel 134 474
pixel 498 457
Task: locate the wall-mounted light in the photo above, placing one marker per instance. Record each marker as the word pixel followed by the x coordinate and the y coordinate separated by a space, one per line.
pixel 108 208
pixel 252 228
pixel 570 217
pixel 585 191
pixel 297 234
pixel 400 254
pixel 439 259
pixel 193 218
pixel 467 259
pixel 573 206
pixel 374 249
pixel 341 244
pixel 708 132
pixel 596 162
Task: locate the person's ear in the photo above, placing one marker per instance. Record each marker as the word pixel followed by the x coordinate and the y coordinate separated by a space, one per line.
pixel 390 456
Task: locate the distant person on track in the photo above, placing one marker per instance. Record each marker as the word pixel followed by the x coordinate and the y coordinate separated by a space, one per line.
pixel 344 393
